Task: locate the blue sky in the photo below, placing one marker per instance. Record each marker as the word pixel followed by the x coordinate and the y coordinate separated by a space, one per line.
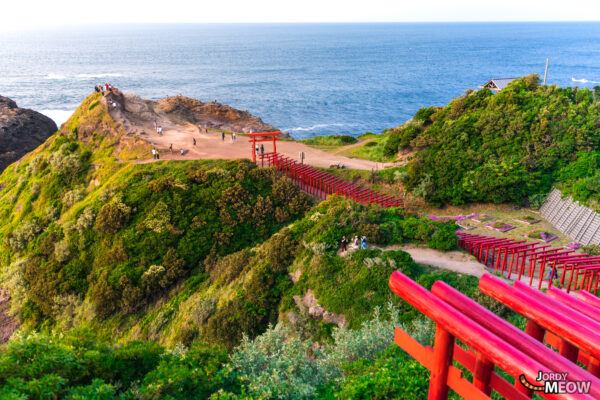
pixel 32 14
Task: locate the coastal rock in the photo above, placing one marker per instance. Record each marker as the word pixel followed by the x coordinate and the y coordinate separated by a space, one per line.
pixel 8 324
pixel 132 110
pixel 319 312
pixel 21 131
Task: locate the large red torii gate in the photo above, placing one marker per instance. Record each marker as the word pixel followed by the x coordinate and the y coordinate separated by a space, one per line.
pixel 266 137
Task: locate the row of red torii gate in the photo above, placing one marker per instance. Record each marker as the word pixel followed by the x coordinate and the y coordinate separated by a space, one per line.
pixel 476 353
pixel 315 181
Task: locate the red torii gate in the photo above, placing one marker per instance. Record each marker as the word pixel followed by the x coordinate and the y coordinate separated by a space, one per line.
pixel 266 137
pixel 494 343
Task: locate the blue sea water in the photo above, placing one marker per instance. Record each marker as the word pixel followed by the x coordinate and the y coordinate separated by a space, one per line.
pixel 308 79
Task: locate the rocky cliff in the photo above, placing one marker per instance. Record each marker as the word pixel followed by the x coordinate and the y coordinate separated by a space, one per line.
pixel 133 111
pixel 21 131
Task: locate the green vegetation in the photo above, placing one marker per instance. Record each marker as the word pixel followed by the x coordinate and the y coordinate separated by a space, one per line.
pixel 200 279
pixel 505 147
pixel 372 149
pixel 330 141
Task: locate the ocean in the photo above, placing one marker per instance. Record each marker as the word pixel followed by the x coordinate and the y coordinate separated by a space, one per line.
pixel 308 79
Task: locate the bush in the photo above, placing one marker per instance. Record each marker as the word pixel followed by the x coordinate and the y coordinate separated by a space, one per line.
pixel 62 251
pixel 444 239
pixel 112 217
pixel 19 238
pixel 71 197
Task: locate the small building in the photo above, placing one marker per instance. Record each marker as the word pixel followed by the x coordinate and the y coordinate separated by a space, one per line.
pixel 497 84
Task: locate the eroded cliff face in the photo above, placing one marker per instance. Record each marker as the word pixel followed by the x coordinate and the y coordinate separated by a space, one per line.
pixel 8 324
pixel 21 131
pixel 133 111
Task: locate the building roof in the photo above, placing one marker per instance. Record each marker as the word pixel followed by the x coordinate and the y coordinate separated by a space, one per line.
pixel 497 83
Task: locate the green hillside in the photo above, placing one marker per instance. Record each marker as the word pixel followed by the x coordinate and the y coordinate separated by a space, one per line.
pixel 505 147
pixel 167 279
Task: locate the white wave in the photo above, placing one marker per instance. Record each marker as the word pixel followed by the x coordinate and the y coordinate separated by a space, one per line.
pixel 58 116
pixel 317 126
pixel 99 75
pixel 583 80
pixel 55 76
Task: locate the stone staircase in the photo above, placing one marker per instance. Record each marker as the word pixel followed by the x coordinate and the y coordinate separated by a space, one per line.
pixel 578 222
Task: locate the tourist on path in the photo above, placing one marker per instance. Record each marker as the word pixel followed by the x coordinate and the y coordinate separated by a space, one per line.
pixel 181 152
pixel 223 136
pixel 234 137
pixel 194 141
pixel 256 151
pixel 363 242
pixel 154 154
pixel 171 148
pixel 344 242
pixel 157 155
pixel 160 130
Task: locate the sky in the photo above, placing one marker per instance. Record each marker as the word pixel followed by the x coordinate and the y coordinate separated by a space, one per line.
pixel 34 14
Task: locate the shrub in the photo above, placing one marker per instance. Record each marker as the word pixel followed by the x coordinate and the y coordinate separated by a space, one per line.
pixel 85 220
pixel 203 309
pixel 158 219
pixel 275 365
pixel 19 238
pixel 71 197
pixel 228 268
pixel 151 279
pixel 104 296
pixel 174 268
pixel 444 239
pixel 537 200
pixel 112 217
pixel 62 251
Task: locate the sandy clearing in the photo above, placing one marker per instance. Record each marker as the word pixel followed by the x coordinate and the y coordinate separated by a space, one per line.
pixel 211 146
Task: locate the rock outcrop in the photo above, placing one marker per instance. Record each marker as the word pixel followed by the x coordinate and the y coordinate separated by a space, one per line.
pixel 8 324
pixel 132 111
pixel 21 131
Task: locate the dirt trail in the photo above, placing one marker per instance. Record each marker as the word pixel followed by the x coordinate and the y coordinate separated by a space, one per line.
pixel 457 261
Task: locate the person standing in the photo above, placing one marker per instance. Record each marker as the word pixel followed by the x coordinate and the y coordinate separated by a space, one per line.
pixel 171 148
pixel 262 149
pixel 363 242
pixel 181 151
pixel 153 153
pixel 344 243
pixel 256 151
pixel 160 130
pixel 223 136
pixel 234 137
pixel 194 141
pixel 157 155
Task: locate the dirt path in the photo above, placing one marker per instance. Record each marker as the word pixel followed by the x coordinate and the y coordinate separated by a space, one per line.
pixel 456 261
pixel 211 146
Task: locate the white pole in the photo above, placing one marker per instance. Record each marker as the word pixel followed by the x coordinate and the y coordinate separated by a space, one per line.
pixel 546 71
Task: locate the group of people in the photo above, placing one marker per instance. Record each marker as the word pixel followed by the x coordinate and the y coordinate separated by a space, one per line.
pixel 181 151
pixel 158 128
pixel 260 148
pixel 357 243
pixel 155 154
pixel 100 88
